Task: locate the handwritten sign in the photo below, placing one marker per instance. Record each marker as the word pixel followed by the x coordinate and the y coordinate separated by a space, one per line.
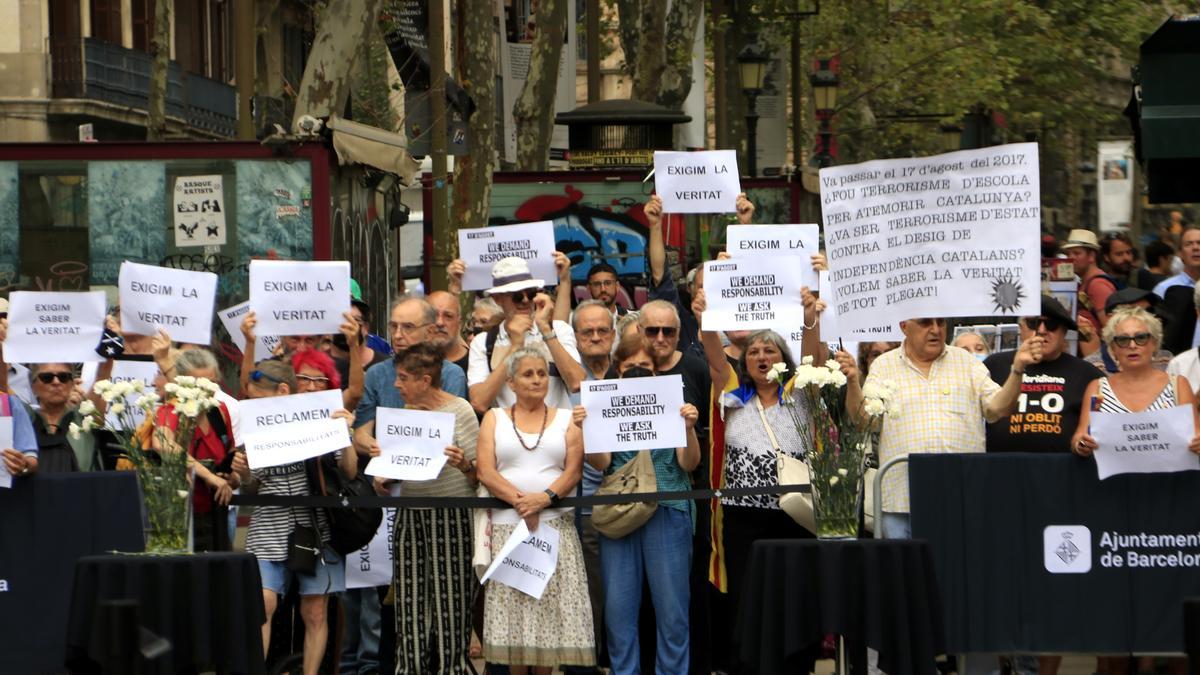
pixel 482 248
pixel 752 294
pixel 944 236
pixel 1154 441
pixel 526 561
pixel 299 298
pixel 832 329
pixel 6 443
pixel 697 182
pixel 285 429
pixel 640 413
pixel 412 443
pixel 231 318
pixel 130 371
pixel 54 327
pixel 179 301
pixel 371 565
pixel 199 211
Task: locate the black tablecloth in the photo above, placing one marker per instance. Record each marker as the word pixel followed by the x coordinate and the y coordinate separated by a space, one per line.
pixel 209 606
pixel 46 523
pixel 874 593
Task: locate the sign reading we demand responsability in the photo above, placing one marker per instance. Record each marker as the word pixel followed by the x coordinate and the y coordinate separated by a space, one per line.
pixel 945 236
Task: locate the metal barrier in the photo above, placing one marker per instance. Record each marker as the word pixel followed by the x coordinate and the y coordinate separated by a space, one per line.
pixel 877 490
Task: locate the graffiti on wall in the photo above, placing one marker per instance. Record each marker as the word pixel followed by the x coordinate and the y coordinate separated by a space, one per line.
pixel 274 209
pixel 10 228
pixel 127 209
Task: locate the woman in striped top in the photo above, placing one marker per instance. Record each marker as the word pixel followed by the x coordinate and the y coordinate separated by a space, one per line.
pixel 1132 335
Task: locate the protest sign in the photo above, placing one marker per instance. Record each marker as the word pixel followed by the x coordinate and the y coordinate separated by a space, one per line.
pixel 371 565
pixel 231 318
pixel 526 561
pixel 944 236
pixel 832 330
pixel 178 301
pixel 58 327
pixel 130 371
pixel 6 441
pixel 482 248
pixel 199 211
pixel 697 182
pixel 284 429
pixel 640 413
pixel 412 443
pixel 752 294
pixel 1155 441
pixel 299 298
pixel 755 241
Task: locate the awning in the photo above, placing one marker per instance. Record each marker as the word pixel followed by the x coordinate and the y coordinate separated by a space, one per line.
pixel 357 143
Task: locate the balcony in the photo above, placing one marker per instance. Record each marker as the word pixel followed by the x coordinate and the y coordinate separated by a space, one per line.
pixel 90 69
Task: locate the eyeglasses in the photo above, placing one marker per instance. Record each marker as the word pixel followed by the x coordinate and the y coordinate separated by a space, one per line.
pixel 595 332
pixel 926 323
pixel 605 283
pixel 258 376
pixel 524 295
pixel 312 379
pixel 63 377
pixel 1032 323
pixel 654 331
pixel 406 327
pixel 1138 339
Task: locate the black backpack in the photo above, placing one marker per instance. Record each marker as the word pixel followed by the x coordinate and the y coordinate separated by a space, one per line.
pixel 350 528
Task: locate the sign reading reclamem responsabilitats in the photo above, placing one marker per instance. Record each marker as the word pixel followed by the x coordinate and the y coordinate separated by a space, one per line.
pixel 178 301
pixel 697 182
pixel 285 429
pixel 54 327
pixel 639 413
pixel 945 236
pixel 482 248
pixel 299 298
pixel 751 294
pixel 743 242
pixel 412 443
pixel 1154 441
pixel 526 561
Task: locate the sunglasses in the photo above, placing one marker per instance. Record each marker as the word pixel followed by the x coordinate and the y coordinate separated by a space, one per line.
pixel 259 376
pixel 1033 322
pixel 314 379
pixel 63 377
pixel 524 295
pixel 1138 339
pixel 666 331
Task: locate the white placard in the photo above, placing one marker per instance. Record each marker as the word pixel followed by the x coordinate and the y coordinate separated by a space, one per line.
pixel 178 301
pixel 199 211
pixel 945 236
pixel 526 561
pixel 795 342
pixel 801 242
pixel 371 565
pixel 299 298
pixel 412 443
pixel 231 318
pixel 697 182
pixel 58 327
pixel 752 294
pixel 482 248
pixel 639 413
pixel 6 443
pixel 832 331
pixel 131 371
pixel 1154 441
pixel 284 429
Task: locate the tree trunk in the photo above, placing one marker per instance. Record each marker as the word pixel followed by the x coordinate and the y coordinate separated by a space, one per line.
pixel 344 26
pixel 160 50
pixel 675 81
pixel 650 57
pixel 629 26
pixel 472 196
pixel 533 114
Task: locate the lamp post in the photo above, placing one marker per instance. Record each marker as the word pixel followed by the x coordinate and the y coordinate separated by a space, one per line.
pixel 825 90
pixel 752 69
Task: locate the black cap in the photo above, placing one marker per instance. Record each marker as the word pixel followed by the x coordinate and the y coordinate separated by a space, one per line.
pixel 1053 309
pixel 1128 296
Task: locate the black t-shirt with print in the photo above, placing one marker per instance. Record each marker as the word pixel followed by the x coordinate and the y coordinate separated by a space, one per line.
pixel 1048 408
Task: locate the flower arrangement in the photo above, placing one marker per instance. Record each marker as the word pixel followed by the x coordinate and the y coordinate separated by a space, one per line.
pixel 164 476
pixel 840 440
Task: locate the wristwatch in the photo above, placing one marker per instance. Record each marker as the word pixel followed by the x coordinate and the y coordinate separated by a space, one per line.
pixel 551 335
pixel 552 495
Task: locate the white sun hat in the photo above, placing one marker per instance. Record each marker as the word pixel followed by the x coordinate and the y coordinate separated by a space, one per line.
pixel 510 275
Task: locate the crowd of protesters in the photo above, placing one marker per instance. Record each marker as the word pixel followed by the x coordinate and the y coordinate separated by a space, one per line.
pixel 663 597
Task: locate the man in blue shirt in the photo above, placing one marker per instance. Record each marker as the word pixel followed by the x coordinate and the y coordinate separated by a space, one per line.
pixel 1189 253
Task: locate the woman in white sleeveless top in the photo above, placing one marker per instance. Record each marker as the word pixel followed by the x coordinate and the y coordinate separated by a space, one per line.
pixel 530 454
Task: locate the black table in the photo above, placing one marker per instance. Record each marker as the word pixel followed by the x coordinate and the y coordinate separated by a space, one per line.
pixel 209 606
pixel 875 593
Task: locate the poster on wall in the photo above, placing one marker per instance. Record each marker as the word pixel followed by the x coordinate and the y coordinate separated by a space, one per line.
pixel 274 210
pixel 127 206
pixel 1114 195
pixel 199 211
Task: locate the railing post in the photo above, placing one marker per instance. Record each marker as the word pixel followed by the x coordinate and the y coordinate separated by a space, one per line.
pixel 878 491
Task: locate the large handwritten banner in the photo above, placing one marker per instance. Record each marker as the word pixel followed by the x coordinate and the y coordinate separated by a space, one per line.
pixel 697 182
pixel 755 241
pixel 299 298
pixel 832 330
pixel 945 236
pixel 178 301
pixel 412 443
pixel 482 248
pixel 640 413
pixel 752 294
pixel 1155 441
pixel 285 429
pixel 526 561
pixel 57 327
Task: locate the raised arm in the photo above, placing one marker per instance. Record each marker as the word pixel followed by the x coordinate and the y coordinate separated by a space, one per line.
pixel 655 249
pixel 1004 402
pixel 714 351
pixel 354 388
pixel 562 294
pixel 248 323
pixel 454 276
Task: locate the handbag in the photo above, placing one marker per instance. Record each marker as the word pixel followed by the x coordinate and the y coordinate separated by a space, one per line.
pixel 636 476
pixel 351 528
pixel 790 471
pixel 303 548
pixel 481 530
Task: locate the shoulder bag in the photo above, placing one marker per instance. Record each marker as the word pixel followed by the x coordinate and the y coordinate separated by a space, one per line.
pixel 636 476
pixel 350 528
pixel 790 471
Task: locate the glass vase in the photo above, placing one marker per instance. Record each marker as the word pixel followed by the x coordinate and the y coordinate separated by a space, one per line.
pixel 837 479
pixel 167 494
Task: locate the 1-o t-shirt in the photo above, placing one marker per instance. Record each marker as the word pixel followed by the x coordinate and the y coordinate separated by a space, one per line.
pixel 1048 407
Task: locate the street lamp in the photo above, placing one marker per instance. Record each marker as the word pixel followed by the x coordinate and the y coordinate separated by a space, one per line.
pixel 825 91
pixel 752 68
